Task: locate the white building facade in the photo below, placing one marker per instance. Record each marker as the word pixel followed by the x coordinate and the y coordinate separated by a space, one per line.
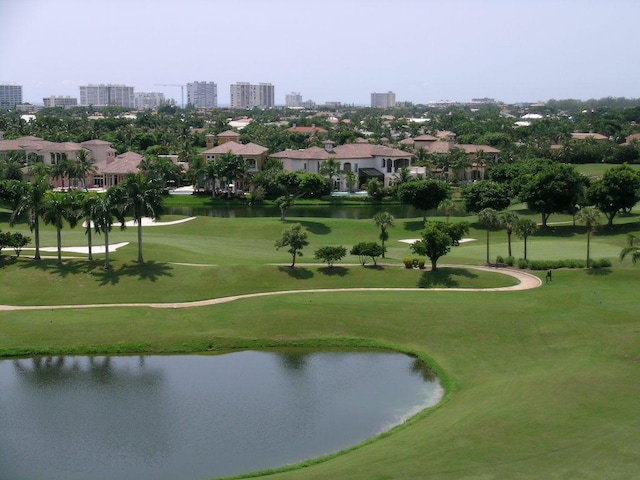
pixel 246 95
pixel 383 100
pixel 107 95
pixel 202 94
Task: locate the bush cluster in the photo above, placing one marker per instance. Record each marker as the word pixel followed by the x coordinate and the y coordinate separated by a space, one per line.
pixel 413 263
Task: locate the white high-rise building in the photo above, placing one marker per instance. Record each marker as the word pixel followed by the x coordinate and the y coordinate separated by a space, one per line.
pixel 383 100
pixel 202 94
pixel 59 101
pixel 293 100
pixel 10 96
pixel 246 95
pixel 107 95
pixel 148 100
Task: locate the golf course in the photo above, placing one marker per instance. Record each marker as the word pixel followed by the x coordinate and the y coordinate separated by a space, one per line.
pixel 539 382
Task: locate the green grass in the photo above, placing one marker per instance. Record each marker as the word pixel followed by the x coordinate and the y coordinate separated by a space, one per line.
pixel 540 383
pixel 598 169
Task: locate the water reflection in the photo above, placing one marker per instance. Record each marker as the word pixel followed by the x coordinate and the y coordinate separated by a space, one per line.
pixel 167 417
pixel 353 212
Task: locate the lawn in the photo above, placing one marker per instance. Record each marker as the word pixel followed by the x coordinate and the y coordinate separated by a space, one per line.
pixel 540 383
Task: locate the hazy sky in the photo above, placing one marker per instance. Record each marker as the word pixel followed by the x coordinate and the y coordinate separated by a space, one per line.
pixel 328 50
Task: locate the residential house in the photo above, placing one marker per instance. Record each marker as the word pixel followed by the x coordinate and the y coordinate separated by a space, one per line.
pixel 443 143
pixel 367 161
pixel 253 154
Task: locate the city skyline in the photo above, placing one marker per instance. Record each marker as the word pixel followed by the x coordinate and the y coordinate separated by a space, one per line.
pixel 423 51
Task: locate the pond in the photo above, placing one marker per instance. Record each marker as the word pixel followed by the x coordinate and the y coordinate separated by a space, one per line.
pixel 352 212
pixel 198 416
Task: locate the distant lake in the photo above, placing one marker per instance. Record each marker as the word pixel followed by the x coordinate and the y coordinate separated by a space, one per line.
pixel 354 212
pixel 198 416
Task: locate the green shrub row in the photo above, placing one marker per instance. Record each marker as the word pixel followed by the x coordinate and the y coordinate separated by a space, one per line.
pixel 553 264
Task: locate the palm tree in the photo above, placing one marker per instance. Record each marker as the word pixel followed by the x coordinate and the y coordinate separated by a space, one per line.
pixel 83 167
pixel 632 248
pixel 508 220
pixel 58 208
pixel 450 207
pixel 88 212
pixel 32 202
pixel 383 220
pixel 591 218
pixel 105 210
pixel 330 168
pixel 524 228
pixel 141 197
pixel 489 218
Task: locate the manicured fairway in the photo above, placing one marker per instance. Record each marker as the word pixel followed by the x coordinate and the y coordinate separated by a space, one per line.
pixel 541 383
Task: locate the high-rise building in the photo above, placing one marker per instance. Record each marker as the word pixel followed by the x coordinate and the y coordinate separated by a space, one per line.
pixel 106 95
pixel 148 100
pixel 383 100
pixel 59 101
pixel 10 96
pixel 246 95
pixel 202 94
pixel 293 100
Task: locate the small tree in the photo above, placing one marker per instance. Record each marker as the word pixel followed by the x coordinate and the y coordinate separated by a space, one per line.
pixel 489 218
pixel 365 250
pixel 383 221
pixel 591 218
pixel 18 241
pixel 524 228
pixel 632 249
pixel 284 203
pixel 294 238
pixel 424 194
pixel 330 254
pixel 434 243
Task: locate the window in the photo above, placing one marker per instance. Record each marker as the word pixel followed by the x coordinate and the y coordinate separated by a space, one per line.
pixel 346 167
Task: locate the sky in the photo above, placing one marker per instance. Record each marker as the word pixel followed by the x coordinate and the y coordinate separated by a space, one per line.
pixel 329 50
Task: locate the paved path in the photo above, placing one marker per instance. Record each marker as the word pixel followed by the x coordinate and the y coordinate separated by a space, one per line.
pixel 526 281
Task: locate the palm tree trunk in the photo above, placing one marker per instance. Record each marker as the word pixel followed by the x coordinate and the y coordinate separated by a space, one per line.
pixel 488 246
pixel 106 249
pixel 140 259
pixel 36 230
pixel 509 242
pixel 89 241
pixel 525 248
pixel 59 239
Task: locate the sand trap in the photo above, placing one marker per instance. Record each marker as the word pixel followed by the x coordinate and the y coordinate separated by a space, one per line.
pixel 414 240
pixel 94 249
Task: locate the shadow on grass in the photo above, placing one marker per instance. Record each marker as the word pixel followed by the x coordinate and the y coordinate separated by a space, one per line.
pixel 316 228
pixel 444 277
pixel 414 226
pixel 7 260
pixel 599 272
pixel 334 271
pixel 299 273
pixel 64 269
pixel 150 271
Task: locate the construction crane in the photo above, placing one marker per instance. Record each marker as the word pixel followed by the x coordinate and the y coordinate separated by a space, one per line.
pixel 174 85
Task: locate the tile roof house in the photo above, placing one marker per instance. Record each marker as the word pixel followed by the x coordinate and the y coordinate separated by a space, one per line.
pixel 443 144
pixel 253 154
pixel 312 130
pixel 112 172
pixel 365 160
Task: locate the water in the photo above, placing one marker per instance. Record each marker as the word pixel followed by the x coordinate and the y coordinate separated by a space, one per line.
pixel 352 212
pixel 199 416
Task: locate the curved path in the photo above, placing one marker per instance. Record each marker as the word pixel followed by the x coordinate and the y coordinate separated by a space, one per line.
pixel 526 281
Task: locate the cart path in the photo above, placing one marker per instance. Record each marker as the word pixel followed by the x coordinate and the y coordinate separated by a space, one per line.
pixel 526 281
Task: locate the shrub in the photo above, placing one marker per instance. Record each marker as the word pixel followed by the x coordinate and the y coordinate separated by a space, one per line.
pixel 499 259
pixel 421 264
pixel 408 262
pixel 602 263
pixel 511 261
pixel 522 263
